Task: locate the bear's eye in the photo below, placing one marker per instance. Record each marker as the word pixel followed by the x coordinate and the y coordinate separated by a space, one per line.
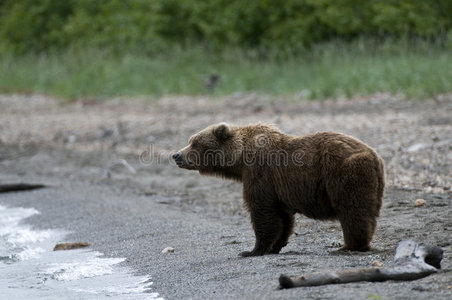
pixel 194 144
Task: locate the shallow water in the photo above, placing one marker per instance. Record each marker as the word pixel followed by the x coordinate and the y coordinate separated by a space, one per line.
pixel 30 269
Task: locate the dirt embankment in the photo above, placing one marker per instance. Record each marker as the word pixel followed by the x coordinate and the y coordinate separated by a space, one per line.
pixel 412 136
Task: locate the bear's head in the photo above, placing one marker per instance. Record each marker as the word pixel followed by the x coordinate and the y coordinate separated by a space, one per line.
pixel 215 150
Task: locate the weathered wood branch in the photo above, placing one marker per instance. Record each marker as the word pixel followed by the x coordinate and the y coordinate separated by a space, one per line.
pixel 411 261
pixel 70 246
pixel 17 187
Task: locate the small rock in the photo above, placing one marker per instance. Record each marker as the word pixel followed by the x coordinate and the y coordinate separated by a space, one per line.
pixel 377 263
pixel 106 133
pixel 428 189
pixel 419 202
pixel 438 190
pixel 71 139
pixel 119 162
pixel 415 147
pixel 336 244
pixel 168 250
pixel 234 242
pixel 70 246
pixel 419 288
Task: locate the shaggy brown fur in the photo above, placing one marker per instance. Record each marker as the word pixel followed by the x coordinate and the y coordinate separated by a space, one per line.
pixel 325 176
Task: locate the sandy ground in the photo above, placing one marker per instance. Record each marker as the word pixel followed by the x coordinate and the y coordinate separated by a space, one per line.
pixel 116 152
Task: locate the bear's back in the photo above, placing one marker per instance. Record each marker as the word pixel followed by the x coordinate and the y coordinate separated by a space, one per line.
pixel 316 161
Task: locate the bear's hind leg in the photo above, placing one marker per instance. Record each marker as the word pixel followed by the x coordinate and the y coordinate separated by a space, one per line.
pixel 355 194
pixel 358 232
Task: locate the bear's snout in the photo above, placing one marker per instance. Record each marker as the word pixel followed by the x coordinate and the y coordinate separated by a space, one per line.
pixel 177 157
pixel 181 162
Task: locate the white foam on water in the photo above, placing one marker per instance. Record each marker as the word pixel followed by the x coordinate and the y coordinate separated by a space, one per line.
pixel 30 269
pixel 29 253
pixel 18 241
pixel 90 267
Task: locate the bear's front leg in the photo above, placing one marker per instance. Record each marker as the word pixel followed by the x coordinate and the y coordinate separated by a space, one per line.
pixel 267 216
pixel 268 227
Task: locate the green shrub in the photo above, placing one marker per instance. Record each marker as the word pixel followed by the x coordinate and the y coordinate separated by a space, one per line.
pixel 34 25
pixel 144 26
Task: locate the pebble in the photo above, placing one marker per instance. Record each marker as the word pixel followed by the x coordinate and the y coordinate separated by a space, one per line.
pixel 168 250
pixel 415 147
pixel 428 189
pixel 377 263
pixel 419 202
pixel 336 244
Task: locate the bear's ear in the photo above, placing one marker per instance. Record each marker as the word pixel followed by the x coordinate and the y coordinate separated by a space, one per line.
pixel 222 131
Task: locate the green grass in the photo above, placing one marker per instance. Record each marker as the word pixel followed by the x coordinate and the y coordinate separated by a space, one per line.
pixel 328 71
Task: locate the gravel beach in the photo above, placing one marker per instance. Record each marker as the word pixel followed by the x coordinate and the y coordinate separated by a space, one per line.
pixel 111 184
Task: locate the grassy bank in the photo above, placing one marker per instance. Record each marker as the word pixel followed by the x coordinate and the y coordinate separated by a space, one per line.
pixel 331 71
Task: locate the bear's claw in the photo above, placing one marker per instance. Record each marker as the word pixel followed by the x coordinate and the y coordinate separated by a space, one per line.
pixel 251 253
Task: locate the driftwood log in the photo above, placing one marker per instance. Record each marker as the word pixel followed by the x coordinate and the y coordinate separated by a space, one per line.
pixel 411 262
pixel 70 246
pixel 17 187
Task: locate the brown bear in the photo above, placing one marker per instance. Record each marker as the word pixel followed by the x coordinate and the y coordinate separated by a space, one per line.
pixel 325 176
